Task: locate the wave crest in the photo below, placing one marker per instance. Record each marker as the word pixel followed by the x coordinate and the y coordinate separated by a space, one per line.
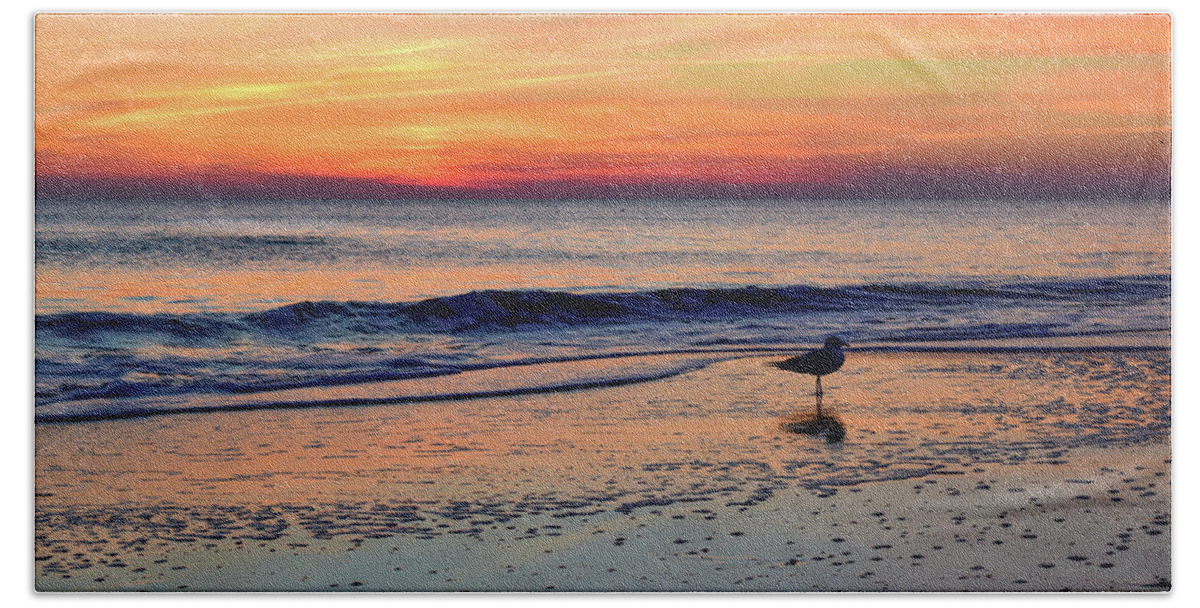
pixel 513 309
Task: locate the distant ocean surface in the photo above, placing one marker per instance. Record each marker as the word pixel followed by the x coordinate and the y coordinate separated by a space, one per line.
pixel 144 306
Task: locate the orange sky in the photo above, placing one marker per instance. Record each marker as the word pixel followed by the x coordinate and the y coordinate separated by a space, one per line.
pixel 543 104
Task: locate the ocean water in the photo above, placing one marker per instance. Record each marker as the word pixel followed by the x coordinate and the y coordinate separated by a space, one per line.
pixel 145 308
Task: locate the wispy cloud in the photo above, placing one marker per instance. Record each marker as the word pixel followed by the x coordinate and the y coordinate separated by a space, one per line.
pixel 450 98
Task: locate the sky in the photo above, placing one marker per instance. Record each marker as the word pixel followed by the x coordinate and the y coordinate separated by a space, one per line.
pixel 18 246
pixel 560 106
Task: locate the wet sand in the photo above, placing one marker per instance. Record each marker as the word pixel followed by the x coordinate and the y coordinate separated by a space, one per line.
pixel 1027 471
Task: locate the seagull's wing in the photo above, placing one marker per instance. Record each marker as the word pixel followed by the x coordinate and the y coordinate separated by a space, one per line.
pixel 813 362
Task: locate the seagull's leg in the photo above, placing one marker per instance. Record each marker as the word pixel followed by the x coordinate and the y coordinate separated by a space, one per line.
pixel 819 391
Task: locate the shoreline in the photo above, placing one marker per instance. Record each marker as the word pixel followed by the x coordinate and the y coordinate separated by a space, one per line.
pixel 691 482
pixel 595 371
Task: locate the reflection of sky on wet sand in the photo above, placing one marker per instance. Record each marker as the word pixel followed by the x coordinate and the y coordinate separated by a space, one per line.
pixel 123 504
pixel 713 434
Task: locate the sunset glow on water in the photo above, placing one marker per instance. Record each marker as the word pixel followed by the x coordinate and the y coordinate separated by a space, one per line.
pixel 184 257
pixel 447 302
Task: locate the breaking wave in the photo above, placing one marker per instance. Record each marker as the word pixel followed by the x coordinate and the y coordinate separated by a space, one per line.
pixel 89 357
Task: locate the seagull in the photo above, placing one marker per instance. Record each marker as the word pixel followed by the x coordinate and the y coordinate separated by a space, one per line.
pixel 818 362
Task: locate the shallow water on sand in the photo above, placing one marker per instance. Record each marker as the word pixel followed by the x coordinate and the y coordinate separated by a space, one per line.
pixel 714 439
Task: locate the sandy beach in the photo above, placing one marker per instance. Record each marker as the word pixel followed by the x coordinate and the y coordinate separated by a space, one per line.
pixel 469 302
pixel 1027 471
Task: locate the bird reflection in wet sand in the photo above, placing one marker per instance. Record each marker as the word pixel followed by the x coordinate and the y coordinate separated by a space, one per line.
pixel 829 428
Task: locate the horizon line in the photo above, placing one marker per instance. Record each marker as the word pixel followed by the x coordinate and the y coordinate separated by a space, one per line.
pixel 929 185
